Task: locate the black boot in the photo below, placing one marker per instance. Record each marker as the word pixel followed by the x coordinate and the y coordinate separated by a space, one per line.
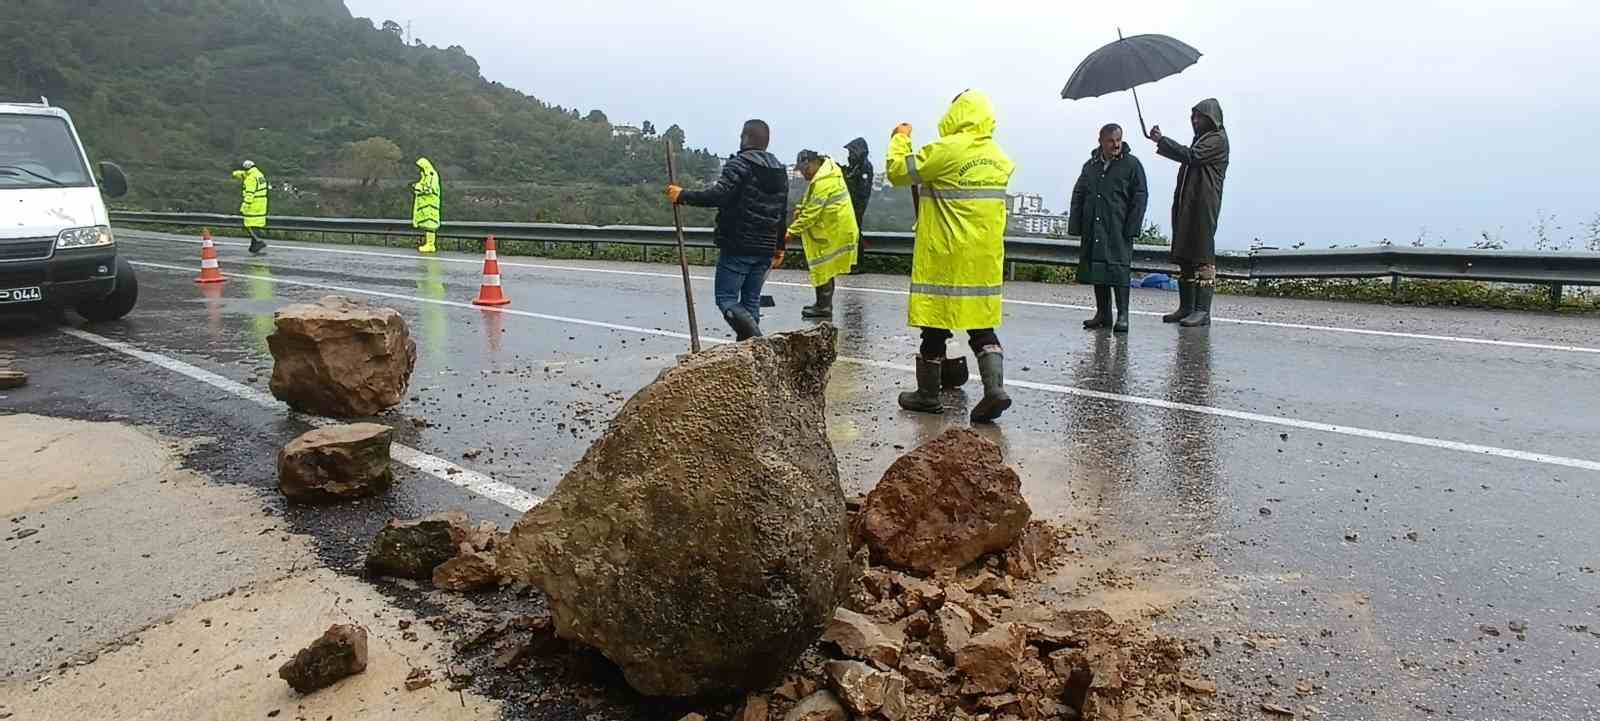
pixel 925 399
pixel 991 368
pixel 1202 308
pixel 256 244
pixel 953 373
pixel 1185 303
pixel 1102 308
pixel 1121 325
pixel 823 310
pixel 744 326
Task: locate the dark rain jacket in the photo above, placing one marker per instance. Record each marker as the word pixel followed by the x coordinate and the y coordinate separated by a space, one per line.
pixel 1197 201
pixel 1108 204
pixel 858 178
pixel 752 202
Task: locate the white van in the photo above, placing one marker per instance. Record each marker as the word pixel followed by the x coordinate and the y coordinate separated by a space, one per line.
pixel 56 246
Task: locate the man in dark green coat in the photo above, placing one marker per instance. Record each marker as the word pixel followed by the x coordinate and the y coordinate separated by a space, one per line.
pixel 1196 203
pixel 1108 204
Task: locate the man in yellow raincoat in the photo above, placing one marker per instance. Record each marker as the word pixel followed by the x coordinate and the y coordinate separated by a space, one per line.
pixel 957 267
pixel 425 205
pixel 253 202
pixel 825 222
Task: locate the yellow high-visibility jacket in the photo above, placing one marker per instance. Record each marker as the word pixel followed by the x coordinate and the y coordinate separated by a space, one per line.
pixel 425 204
pixel 253 197
pixel 957 268
pixel 826 224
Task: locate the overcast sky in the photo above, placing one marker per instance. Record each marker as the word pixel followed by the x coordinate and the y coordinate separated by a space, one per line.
pixel 1351 120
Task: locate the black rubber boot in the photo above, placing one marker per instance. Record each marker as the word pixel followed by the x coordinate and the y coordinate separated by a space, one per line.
pixel 1102 308
pixel 1121 325
pixel 953 373
pixel 1202 308
pixel 1185 303
pixel 744 326
pixel 925 399
pixel 823 309
pixel 991 368
pixel 256 245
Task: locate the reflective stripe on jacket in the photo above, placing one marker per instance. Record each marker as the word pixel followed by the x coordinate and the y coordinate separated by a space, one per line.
pixel 425 205
pixel 957 267
pixel 253 197
pixel 826 224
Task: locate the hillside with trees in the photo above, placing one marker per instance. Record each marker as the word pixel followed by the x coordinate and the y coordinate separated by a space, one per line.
pixel 333 107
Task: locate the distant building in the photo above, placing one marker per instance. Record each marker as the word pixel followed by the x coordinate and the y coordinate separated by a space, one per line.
pixel 1027 214
pixel 626 131
pixel 1026 204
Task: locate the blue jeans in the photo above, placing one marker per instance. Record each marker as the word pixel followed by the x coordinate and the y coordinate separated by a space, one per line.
pixel 739 281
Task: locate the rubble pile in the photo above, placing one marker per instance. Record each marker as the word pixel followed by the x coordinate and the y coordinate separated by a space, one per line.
pixel 340 357
pixel 444 548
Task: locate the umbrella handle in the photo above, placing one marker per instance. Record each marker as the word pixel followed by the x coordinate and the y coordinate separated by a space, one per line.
pixel 1140 110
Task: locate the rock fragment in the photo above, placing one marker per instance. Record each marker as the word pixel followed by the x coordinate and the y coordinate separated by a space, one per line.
pixel 990 661
pixel 413 549
pixel 336 463
pixel 340 652
pixel 860 637
pixel 469 570
pixel 859 686
pixel 820 706
pixel 340 357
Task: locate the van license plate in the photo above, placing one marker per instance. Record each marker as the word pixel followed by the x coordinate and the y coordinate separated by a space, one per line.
pixel 20 295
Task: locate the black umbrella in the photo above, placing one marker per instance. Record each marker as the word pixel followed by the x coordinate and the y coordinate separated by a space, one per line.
pixel 1127 64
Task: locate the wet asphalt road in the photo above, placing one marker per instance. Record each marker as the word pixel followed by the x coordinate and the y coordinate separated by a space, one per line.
pixel 1233 509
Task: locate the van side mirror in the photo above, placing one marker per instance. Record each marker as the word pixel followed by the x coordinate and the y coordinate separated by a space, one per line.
pixel 113 182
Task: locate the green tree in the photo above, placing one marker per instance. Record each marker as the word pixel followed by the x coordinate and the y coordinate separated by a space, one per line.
pixel 675 135
pixel 370 160
pixel 597 117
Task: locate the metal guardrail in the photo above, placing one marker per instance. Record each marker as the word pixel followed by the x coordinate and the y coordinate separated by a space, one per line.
pixel 1553 269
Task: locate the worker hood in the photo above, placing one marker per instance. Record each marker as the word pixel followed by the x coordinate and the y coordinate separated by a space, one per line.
pixel 1211 109
pixel 858 150
pixel 829 167
pixel 970 113
pixel 425 164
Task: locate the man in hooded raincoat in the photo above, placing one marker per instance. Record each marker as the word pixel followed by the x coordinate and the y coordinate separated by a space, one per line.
pixel 253 202
pixel 1108 204
pixel 825 222
pixel 858 177
pixel 425 204
pixel 1196 203
pixel 957 267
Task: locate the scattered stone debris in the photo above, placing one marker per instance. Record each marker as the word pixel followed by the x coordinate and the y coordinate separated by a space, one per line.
pixel 820 706
pixel 1518 626
pixel 1277 710
pixel 340 652
pixel 723 526
pixel 1413 536
pixel 340 357
pixel 413 549
pixel 859 637
pixel 336 463
pixel 469 570
pixel 944 505
pixel 756 708
pixel 471 453
pixel 1352 536
pixel 419 678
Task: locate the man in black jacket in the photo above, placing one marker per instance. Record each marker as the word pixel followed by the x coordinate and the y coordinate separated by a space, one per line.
pixel 752 202
pixel 858 178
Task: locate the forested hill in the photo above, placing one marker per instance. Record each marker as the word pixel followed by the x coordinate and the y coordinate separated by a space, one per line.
pixel 180 90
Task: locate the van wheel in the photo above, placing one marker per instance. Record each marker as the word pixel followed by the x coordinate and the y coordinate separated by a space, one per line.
pixel 121 300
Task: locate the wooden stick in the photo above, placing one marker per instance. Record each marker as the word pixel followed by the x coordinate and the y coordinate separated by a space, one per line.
pixel 683 261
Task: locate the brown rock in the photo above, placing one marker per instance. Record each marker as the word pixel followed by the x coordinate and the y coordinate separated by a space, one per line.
pixel 756 708
pixel 470 570
pixel 419 678
pixel 412 549
pixel 952 629
pixel 1277 710
pixel 1204 687
pixel 340 652
pixel 990 660
pixel 944 504
pixel 820 706
pixel 340 357
pixel 918 625
pixel 988 584
pixel 11 378
pixel 485 536
pixel 895 705
pixel 1033 550
pixel 796 687
pixel 693 717
pixel 924 672
pixel 336 463
pixel 860 637
pixel 858 686
pixel 1104 660
pixel 919 595
pixel 879 582
pixel 701 543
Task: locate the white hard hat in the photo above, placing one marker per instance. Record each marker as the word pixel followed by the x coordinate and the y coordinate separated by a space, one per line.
pixel 249 164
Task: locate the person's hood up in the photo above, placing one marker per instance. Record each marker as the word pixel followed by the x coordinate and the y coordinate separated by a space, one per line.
pixel 425 164
pixel 829 167
pixel 770 174
pixel 1211 109
pixel 1127 151
pixel 858 150
pixel 970 113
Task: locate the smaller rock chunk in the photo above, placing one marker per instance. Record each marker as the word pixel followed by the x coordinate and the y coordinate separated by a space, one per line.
pixel 340 652
pixel 756 708
pixel 925 673
pixel 990 660
pixel 412 549
pixel 856 684
pixel 471 570
pixel 336 463
pixel 820 706
pixel 860 637
pixel 952 629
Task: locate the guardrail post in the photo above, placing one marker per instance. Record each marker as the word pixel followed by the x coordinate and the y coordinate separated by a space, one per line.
pixel 1394 285
pixel 594 250
pixel 1555 295
pixel 1011 270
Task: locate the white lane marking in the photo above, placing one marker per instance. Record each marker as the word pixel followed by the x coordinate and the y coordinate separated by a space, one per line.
pixel 509 496
pixel 1009 301
pixel 1354 431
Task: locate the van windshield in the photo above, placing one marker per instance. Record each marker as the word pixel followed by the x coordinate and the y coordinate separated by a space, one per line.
pixel 39 151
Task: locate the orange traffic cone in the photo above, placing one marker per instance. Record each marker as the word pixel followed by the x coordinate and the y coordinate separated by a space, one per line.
pixel 489 293
pixel 209 273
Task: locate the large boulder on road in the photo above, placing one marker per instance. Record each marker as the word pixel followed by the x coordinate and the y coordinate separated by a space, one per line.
pixel 340 357
pixel 336 463
pixel 701 543
pixel 944 504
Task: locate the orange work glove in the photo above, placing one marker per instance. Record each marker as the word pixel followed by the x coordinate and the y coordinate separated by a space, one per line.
pixel 673 191
pixel 903 129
